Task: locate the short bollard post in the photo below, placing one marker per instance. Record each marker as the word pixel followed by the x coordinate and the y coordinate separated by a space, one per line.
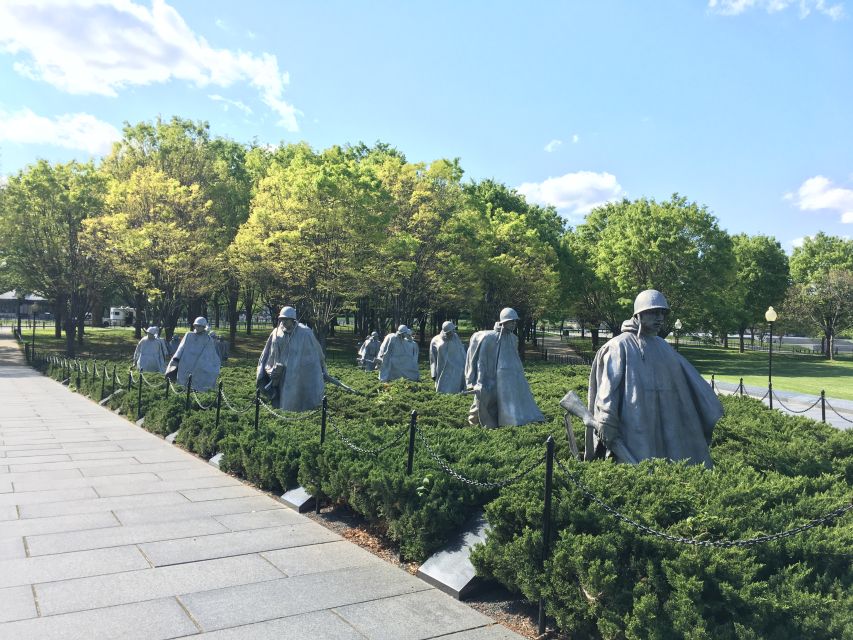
pixel 94 367
pixel 770 393
pixel 713 386
pixel 257 408
pixel 822 405
pixel 139 397
pixel 218 401
pixel 413 424
pixel 546 521
pixel 103 382
pixel 323 417
pixel 740 387
pixel 115 380
pixel 189 390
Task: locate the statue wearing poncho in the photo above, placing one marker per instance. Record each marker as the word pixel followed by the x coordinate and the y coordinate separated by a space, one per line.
pixel 447 360
pixel 196 356
pixel 151 353
pixel 503 396
pixel 646 400
pixel 398 357
pixel 367 352
pixel 293 361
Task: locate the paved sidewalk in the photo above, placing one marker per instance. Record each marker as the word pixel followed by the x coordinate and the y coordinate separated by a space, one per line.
pixel 107 531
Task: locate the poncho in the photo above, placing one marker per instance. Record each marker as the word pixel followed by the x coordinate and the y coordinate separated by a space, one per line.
pixel 649 402
pixel 397 359
pixel 447 363
pixel 151 355
pixel 197 355
pixel 301 386
pixel 503 393
pixel 367 353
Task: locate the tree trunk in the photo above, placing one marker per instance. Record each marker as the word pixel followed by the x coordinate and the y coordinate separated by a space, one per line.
pixel 594 332
pixel 249 304
pixel 59 311
pixel 233 300
pixel 139 301
pixel 741 333
pixel 830 343
pixel 69 329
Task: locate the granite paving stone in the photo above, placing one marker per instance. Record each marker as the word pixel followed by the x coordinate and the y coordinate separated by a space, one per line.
pixel 494 632
pixel 35 482
pixel 121 535
pixel 83 465
pixel 5 486
pixel 26 571
pixel 16 603
pixel 133 467
pixel 35 526
pixel 260 519
pixel 148 584
pixel 11 548
pixel 8 512
pixel 321 557
pixel 51 479
pixel 38 497
pixel 161 619
pixel 236 543
pixel 94 505
pixel 174 513
pixel 205 471
pixel 131 488
pixel 218 493
pixel 317 625
pixel 414 616
pixel 301 594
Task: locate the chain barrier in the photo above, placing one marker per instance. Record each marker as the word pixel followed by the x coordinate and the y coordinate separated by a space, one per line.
pixel 369 452
pixel 174 389
pixel 285 418
pixel 199 402
pixel 836 412
pixel 232 408
pixel 787 408
pixel 485 485
pixel 726 544
pixel 132 379
pixel 766 394
pixel 147 382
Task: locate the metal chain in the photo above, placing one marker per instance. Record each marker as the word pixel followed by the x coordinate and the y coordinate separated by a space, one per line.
pixel 836 412
pixel 132 379
pixel 369 452
pixel 811 524
pixel 232 408
pixel 199 402
pixel 787 408
pixel 284 418
pixel 146 381
pixel 485 485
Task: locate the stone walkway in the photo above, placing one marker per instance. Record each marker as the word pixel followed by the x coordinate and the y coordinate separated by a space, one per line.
pixel 107 531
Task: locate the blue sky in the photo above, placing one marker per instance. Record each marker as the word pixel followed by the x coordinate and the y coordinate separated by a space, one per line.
pixel 745 106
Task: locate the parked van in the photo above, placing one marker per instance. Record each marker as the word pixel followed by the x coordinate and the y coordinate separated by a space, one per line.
pixel 119 317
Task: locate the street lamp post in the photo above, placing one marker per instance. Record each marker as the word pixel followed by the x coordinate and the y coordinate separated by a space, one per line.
pixel 677 326
pixel 770 315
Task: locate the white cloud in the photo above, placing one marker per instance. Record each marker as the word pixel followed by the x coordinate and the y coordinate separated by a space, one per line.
pixel 574 194
pixel 103 46
pixel 552 146
pixel 805 7
pixel 575 139
pixel 73 131
pixel 231 103
pixel 818 194
pixel 219 22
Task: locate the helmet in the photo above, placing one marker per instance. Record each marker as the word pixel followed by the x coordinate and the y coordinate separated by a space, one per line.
pixel 287 312
pixel 200 322
pixel 153 330
pixel 375 334
pixel 650 299
pixel 508 314
pixel 402 329
pixel 448 326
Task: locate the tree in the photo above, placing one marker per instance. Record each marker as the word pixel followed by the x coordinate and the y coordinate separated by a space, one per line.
pixel 674 246
pixel 44 207
pixel 820 254
pixel 761 280
pixel 826 301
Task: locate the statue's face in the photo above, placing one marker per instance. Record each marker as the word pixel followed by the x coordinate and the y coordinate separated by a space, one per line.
pixel 288 324
pixel 651 321
pixel 150 336
pixel 509 326
pixel 199 328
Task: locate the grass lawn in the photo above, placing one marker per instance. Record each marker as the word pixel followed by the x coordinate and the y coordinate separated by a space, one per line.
pixel 799 373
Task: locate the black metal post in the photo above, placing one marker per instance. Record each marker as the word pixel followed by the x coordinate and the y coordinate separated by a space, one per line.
pixel 770 357
pixel 166 387
pixel 189 389
pixel 546 521
pixel 770 393
pixel 323 419
pixel 114 380
pixel 413 424
pixel 257 408
pixel 129 381
pixel 103 382
pixel 78 376
pixel 740 387
pixel 139 397
pixel 94 367
pixel 27 351
pixel 218 401
pixel 822 405
pixel 713 388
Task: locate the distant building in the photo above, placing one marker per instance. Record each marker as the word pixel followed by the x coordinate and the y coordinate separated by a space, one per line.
pixel 30 303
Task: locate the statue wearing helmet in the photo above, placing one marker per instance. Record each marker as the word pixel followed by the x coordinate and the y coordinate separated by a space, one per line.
pixel 447 360
pixel 292 368
pixel 368 351
pixel 398 356
pixel 151 352
pixel 196 356
pixel 495 373
pixel 646 400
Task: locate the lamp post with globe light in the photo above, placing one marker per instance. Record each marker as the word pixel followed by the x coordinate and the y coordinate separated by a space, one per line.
pixel 770 315
pixel 678 327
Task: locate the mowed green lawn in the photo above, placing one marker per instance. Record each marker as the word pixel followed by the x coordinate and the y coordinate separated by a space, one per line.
pixel 797 373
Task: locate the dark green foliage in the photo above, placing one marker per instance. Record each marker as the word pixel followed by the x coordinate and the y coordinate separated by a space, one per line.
pixel 604 579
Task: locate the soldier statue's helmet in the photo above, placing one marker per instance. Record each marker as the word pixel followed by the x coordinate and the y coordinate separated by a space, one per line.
pixel 287 312
pixel 650 299
pixel 508 314
pixel 375 334
pixel 201 321
pixel 153 330
pixel 402 328
pixel 448 326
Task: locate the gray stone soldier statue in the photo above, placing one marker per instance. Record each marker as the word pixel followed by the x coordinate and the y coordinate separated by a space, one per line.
pixel 396 357
pixel 368 351
pixel 447 360
pixel 292 366
pixel 196 356
pixel 151 352
pixel 646 400
pixel 502 393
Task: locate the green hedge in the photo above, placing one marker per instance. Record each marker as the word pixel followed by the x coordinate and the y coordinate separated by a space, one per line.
pixel 604 578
